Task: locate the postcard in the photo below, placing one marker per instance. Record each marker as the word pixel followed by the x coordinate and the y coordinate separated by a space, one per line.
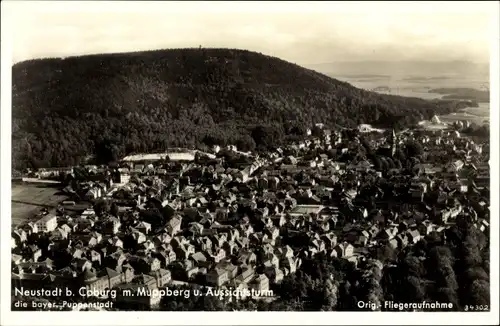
pixel 207 162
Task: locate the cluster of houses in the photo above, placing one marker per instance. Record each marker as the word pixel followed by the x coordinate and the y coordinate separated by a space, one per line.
pixel 242 221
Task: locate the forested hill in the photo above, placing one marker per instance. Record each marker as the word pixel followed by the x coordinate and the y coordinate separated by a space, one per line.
pixel 110 105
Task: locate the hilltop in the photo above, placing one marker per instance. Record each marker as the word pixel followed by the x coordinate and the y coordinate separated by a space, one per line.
pixel 114 104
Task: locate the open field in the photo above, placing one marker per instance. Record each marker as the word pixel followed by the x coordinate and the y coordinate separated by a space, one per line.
pixel 28 199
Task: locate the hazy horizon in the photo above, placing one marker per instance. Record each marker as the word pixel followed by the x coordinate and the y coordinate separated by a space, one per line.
pixel 304 33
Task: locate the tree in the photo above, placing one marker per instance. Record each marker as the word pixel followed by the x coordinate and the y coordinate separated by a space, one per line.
pixel 114 209
pixel 377 163
pixel 446 294
pixel 390 163
pixel 245 143
pixel 330 295
pixel 106 151
pixel 414 289
pixel 295 128
pixel 414 149
pixel 101 207
pixel 266 136
pixel 385 253
pixel 480 292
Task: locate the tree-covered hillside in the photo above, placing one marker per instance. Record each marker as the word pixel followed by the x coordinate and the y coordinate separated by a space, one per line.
pixel 111 105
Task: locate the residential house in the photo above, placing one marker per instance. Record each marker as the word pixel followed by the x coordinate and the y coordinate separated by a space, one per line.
pixel 455 166
pixel 230 247
pixel 200 259
pixel 219 239
pixel 116 242
pixel 204 243
pixel 413 236
pixel 19 236
pixel 111 225
pixel 47 223
pixel 174 225
pixel 90 239
pixel 330 240
pixel 385 235
pixel 285 252
pixel 232 270
pixel 260 283
pixel 246 275
pixel 34 252
pixel 161 239
pixel 217 276
pixel 289 263
pixel 31 228
pixel 272 259
pixel 93 193
pixel 17 259
pixel 246 257
pixel 95 258
pixel 273 232
pixel 196 228
pixel 144 227
pixel 217 255
pixel 166 257
pixel 147 246
pixel 402 240
pixel 138 236
pixel 343 250
pixel 162 277
pixel 278 220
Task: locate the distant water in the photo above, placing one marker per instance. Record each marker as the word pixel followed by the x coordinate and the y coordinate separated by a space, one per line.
pixel 419 86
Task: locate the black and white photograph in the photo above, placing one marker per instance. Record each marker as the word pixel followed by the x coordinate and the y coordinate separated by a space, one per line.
pixel 236 157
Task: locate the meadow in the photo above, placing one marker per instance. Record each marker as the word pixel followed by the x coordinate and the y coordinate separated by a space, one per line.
pixel 28 199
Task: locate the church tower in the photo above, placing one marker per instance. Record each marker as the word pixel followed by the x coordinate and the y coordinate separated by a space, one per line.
pixel 394 143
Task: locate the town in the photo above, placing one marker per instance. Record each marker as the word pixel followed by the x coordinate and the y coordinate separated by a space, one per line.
pixel 232 220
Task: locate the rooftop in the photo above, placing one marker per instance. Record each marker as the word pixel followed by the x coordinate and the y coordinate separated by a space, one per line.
pixel 306 209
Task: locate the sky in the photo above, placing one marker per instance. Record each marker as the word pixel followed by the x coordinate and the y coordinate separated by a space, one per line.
pixel 300 32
